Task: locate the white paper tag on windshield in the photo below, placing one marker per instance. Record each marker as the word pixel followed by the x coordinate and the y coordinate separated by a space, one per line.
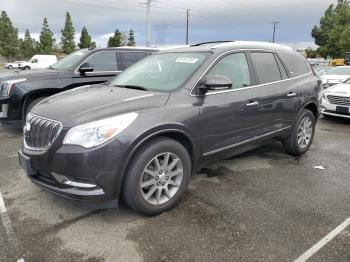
pixel 187 60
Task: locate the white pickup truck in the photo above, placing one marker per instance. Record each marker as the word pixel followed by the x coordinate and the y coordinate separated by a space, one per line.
pixel 38 62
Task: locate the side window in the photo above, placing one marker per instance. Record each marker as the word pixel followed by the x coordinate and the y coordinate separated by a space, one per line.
pixel 130 58
pixel 103 61
pixel 235 67
pixel 266 67
pixel 282 68
pixel 295 63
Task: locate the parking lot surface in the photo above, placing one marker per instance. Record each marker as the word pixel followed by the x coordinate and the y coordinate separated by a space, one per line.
pixel 263 205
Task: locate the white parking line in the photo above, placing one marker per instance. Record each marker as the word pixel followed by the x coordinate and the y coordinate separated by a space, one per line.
pixel 7 223
pixel 323 241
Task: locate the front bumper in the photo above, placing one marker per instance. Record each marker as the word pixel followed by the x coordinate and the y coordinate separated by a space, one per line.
pixel 88 175
pixel 331 109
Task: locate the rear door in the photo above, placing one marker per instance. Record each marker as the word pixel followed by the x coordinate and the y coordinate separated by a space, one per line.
pixel 278 102
pixel 105 67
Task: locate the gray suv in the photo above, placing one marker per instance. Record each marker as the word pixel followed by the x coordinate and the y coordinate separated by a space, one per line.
pixel 141 136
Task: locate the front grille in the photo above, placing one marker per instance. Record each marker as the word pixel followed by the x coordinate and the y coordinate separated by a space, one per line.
pixel 39 133
pixel 339 100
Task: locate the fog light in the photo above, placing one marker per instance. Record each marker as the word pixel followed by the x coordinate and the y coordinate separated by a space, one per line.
pixel 4 110
pixel 68 182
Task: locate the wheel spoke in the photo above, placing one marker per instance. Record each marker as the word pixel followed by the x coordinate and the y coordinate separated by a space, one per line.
pixel 173 164
pixel 175 173
pixel 150 172
pixel 166 160
pixel 167 193
pixel 159 194
pixel 173 183
pixel 148 183
pixel 158 167
pixel 150 192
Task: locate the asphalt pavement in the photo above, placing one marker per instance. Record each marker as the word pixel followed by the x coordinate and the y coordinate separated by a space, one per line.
pixel 264 205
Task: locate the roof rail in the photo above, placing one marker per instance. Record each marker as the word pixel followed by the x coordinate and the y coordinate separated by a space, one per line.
pixel 212 42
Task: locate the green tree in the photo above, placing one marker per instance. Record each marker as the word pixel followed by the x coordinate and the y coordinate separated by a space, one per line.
pixel 131 38
pixel 9 43
pixel 46 38
pixel 115 40
pixel 311 53
pixel 28 45
pixel 344 41
pixel 85 39
pixel 68 33
pixel 329 34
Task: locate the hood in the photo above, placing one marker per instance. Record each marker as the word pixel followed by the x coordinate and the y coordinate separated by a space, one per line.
pixel 30 74
pixel 91 103
pixel 339 90
pixel 334 78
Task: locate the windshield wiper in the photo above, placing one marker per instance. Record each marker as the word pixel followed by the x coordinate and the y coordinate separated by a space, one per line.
pixel 133 87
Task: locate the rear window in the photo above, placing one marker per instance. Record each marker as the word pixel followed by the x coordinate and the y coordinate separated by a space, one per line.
pixel 295 63
pixel 266 67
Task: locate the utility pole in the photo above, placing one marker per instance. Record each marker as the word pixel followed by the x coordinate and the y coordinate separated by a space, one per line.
pixel 274 30
pixel 148 41
pixel 187 21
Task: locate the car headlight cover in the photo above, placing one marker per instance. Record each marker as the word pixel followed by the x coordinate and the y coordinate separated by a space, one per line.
pixel 98 132
pixel 6 86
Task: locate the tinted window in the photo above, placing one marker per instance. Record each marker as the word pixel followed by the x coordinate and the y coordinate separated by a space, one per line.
pixel 129 58
pixel 103 61
pixel 295 63
pixel 282 68
pixel 266 67
pixel 235 67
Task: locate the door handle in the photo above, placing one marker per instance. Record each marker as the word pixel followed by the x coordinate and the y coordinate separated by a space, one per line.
pixel 253 103
pixel 291 94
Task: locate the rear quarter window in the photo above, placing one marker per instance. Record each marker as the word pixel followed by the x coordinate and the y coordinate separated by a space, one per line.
pixel 295 63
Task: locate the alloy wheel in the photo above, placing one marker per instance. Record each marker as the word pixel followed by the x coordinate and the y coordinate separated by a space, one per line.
pixel 161 178
pixel 305 131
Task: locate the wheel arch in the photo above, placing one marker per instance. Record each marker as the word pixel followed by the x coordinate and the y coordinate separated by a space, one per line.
pixel 176 134
pixel 313 107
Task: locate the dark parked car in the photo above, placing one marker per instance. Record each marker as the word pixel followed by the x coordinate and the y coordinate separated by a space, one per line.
pixel 20 91
pixel 141 136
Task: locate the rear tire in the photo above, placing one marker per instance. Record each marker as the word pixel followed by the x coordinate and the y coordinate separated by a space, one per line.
pixel 10 67
pixel 26 68
pixel 152 185
pixel 302 135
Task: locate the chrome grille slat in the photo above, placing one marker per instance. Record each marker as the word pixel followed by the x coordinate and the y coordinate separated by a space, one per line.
pixel 339 100
pixel 40 133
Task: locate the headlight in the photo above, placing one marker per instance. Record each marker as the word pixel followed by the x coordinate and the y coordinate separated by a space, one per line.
pixel 6 86
pixel 98 132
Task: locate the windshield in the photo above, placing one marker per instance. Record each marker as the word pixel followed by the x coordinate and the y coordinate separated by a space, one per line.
pixel 339 71
pixel 161 72
pixel 70 61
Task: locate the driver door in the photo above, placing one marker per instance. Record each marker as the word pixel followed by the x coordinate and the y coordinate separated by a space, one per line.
pixel 230 117
pixel 105 68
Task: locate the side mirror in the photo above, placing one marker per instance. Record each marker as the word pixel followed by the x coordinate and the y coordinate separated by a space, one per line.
pixel 85 68
pixel 216 82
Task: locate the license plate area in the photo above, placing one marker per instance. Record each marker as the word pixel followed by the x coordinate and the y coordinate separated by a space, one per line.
pixel 342 109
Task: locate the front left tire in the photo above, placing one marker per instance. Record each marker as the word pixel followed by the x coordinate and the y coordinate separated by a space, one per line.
pixel 157 176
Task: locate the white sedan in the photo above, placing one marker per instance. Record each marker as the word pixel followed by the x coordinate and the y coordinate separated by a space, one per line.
pixel 335 76
pixel 336 100
pixel 13 65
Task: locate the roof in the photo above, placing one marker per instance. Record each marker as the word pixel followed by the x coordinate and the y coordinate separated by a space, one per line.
pixel 220 46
